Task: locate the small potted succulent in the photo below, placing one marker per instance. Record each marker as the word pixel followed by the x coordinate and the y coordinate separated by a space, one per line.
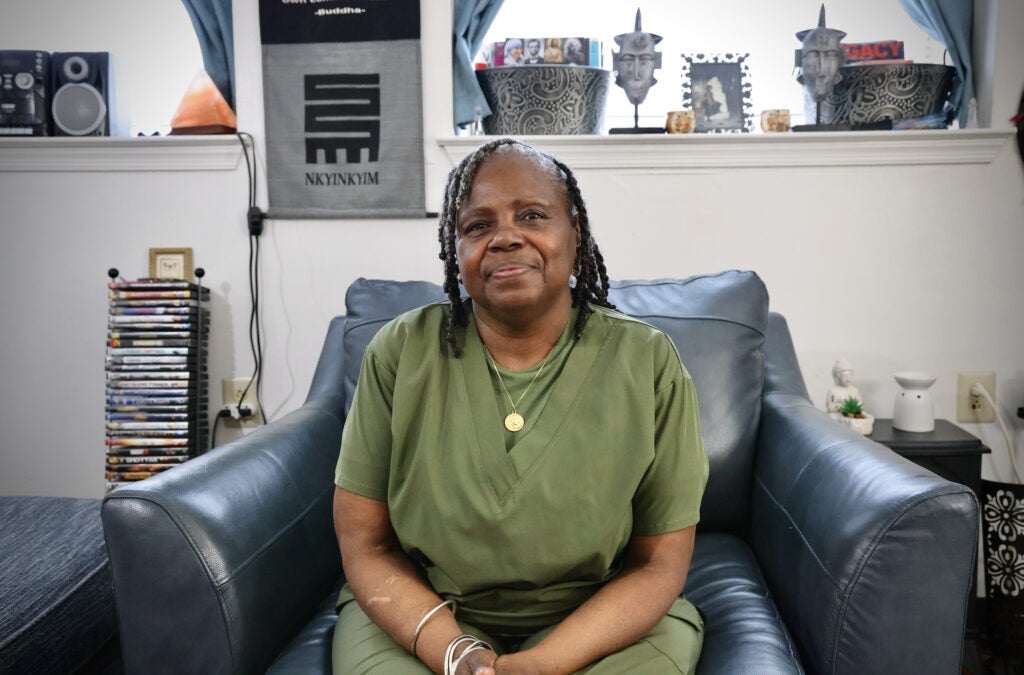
pixel 852 408
pixel 852 415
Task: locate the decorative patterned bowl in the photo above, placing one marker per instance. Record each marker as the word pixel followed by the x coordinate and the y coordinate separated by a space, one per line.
pixel 888 91
pixel 545 99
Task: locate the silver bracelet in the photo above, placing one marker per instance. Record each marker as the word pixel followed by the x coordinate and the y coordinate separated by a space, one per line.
pixel 474 646
pixel 451 663
pixel 423 622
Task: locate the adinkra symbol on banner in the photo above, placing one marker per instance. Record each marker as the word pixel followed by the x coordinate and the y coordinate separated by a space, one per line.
pixel 342 113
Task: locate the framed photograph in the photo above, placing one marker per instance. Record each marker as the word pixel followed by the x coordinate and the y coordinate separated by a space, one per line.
pixel 717 88
pixel 170 263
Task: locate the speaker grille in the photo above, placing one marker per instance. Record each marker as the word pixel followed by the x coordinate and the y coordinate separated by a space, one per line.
pixel 76 69
pixel 78 109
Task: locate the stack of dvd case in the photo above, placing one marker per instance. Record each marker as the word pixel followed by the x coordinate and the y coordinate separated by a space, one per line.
pixel 156 397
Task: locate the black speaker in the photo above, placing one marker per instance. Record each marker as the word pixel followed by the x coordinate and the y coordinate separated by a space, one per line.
pixel 24 82
pixel 79 99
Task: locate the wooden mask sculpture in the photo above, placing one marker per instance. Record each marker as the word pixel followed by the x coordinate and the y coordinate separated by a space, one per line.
pixel 635 62
pixel 821 57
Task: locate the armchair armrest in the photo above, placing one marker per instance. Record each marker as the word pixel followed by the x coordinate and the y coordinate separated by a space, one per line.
pixel 869 557
pixel 218 563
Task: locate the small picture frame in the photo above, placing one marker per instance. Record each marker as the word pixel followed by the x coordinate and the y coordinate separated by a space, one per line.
pixel 717 88
pixel 170 263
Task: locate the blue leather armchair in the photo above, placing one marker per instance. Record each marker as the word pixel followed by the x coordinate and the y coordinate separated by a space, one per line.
pixel 818 550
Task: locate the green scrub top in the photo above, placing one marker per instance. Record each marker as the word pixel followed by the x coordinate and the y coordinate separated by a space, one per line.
pixel 521 537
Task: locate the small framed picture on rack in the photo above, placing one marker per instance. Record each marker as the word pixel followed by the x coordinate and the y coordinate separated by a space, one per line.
pixel 717 88
pixel 170 263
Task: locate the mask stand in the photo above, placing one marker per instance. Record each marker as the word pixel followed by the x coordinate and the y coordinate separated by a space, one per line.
pixel 636 128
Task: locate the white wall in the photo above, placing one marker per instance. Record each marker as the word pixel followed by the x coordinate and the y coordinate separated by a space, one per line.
pixel 866 263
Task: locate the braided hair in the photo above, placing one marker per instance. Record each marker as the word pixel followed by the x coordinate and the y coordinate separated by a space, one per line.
pixel 591 287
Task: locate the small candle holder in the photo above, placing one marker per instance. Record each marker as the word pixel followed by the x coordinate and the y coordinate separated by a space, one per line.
pixel 914 409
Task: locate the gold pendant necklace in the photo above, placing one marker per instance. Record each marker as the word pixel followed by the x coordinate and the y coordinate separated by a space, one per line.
pixel 514 421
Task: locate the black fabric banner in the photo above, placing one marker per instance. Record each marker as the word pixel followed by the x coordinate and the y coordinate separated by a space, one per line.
pixel 343 104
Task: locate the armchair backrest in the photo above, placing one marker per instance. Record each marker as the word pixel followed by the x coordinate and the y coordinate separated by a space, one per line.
pixel 718 324
pixel 371 303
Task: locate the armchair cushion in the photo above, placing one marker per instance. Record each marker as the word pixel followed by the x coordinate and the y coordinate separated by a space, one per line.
pixel 743 625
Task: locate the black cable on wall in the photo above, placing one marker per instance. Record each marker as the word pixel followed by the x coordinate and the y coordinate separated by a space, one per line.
pixel 254 217
pixel 254 222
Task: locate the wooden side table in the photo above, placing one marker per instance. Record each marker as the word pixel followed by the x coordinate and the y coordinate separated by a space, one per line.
pixel 948 451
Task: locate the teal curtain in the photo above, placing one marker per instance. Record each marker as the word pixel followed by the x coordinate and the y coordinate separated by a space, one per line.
pixel 950 22
pixel 212 22
pixel 471 21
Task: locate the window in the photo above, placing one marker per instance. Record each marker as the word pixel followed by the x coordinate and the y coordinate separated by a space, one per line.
pixel 154 53
pixel 767 31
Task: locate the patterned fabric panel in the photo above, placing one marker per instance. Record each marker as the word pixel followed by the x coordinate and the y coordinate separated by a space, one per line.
pixel 56 597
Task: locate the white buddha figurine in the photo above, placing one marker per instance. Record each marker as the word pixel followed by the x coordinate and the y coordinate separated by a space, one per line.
pixel 842 374
pixel 840 392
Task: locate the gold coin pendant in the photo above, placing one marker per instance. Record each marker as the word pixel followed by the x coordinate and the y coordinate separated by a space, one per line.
pixel 514 422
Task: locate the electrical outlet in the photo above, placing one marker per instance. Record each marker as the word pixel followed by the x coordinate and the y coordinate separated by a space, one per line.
pixel 975 408
pixel 232 389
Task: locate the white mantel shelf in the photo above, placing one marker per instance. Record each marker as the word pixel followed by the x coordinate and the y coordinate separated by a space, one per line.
pixel 142 153
pixel 640 153
pixel 670 153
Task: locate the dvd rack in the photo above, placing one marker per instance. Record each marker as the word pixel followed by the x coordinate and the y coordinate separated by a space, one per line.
pixel 156 390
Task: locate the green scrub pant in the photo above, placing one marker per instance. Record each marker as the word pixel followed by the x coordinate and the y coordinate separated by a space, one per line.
pixel 672 646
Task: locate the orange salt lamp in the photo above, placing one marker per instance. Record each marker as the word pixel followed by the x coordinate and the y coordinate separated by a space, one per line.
pixel 203 110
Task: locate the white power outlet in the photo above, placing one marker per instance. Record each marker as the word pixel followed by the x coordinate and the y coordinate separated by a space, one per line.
pixel 232 389
pixel 971 408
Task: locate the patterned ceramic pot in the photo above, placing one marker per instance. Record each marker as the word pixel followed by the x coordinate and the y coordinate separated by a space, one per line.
pixel 545 99
pixel 889 91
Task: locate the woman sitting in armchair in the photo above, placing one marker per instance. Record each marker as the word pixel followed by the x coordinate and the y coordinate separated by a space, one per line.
pixel 521 470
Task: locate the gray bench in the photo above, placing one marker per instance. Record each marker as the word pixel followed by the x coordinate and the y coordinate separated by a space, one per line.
pixel 56 598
